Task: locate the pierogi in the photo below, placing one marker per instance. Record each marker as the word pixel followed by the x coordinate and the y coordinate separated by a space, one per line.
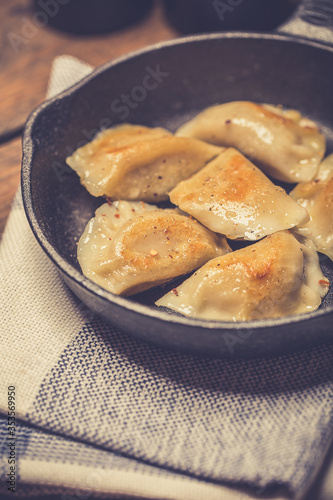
pixel 285 145
pixel 233 197
pixel 129 247
pixel 277 276
pixel 317 197
pixel 132 162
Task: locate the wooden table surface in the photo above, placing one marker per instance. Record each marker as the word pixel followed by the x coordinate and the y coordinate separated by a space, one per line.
pixel 25 67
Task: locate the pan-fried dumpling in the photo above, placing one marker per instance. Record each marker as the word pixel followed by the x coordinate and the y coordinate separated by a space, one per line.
pixel 132 162
pixel 275 277
pixel 130 247
pixel 283 143
pixel 317 197
pixel 233 197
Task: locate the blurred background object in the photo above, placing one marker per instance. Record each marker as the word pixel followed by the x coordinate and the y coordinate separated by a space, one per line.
pixel 87 17
pixel 199 16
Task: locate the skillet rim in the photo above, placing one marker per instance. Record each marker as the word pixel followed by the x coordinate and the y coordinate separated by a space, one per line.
pixel 73 274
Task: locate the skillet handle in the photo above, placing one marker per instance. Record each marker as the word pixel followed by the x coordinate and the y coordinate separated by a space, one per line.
pixel 313 19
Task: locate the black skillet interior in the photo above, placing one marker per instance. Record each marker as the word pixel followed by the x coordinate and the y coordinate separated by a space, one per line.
pixel 185 76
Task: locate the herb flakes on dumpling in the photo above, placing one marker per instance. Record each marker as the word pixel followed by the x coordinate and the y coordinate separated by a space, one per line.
pixel 129 247
pixel 275 277
pixel 286 145
pixel 133 162
pixel 233 197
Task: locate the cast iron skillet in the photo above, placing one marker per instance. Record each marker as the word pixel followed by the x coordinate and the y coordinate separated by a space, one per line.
pixel 192 73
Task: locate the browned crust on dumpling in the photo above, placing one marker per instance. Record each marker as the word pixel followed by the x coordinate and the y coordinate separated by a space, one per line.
pixel 284 144
pixel 132 162
pixel 186 242
pixel 265 266
pixel 127 252
pixel 275 277
pixel 232 196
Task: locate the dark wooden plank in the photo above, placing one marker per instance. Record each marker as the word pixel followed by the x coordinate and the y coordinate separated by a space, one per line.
pixel 10 163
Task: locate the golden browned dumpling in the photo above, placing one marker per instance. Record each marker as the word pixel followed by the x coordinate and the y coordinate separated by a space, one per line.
pixel 132 162
pixel 129 247
pixel 233 197
pixel 317 197
pixel 275 277
pixel 285 145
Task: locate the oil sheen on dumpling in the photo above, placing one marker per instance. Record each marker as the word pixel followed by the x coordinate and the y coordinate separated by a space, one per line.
pixel 132 162
pixel 275 277
pixel 317 197
pixel 233 197
pixel 129 247
pixel 283 143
